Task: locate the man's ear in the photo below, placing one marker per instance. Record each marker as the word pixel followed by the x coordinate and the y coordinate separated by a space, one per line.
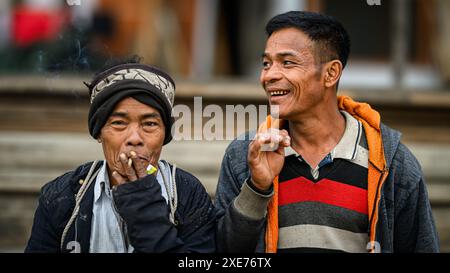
pixel 333 72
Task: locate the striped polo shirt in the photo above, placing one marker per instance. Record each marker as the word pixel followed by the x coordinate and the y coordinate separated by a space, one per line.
pixel 324 209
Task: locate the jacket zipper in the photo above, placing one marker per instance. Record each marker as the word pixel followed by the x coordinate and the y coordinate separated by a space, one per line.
pixel 376 204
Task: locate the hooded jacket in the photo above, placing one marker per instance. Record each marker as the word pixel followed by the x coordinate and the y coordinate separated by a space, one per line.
pixel 400 217
pixel 139 203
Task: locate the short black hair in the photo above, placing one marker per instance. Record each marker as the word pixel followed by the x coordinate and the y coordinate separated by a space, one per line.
pixel 325 31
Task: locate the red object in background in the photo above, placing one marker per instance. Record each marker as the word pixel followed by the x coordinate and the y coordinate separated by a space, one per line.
pixel 30 25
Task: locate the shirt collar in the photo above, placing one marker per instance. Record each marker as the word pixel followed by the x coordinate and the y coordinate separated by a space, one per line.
pixel 347 146
pixel 102 184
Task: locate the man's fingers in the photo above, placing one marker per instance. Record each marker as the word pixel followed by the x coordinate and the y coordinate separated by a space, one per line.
pixel 139 165
pixel 270 141
pixel 129 171
pixel 275 139
pixel 120 179
pixel 257 142
pixel 286 139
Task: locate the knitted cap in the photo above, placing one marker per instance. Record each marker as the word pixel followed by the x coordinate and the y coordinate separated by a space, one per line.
pixel 147 84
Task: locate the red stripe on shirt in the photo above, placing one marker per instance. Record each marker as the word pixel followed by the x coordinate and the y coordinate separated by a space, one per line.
pixel 326 191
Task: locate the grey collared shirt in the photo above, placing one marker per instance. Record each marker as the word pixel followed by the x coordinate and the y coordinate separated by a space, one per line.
pixel 108 231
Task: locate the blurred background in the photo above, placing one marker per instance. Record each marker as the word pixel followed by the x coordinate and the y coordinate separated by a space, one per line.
pixel 400 64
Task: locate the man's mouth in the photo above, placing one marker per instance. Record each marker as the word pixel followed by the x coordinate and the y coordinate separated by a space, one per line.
pixel 278 93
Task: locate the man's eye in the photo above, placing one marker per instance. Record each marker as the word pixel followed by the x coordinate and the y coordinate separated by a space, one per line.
pixel 118 122
pixel 150 123
pixel 265 64
pixel 288 63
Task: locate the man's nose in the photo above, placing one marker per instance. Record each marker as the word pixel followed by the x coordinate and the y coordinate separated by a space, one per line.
pixel 134 137
pixel 271 74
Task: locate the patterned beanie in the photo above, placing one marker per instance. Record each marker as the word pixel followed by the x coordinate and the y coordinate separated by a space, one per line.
pixel 147 84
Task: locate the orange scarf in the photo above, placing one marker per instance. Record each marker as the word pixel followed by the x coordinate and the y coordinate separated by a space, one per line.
pixel 377 171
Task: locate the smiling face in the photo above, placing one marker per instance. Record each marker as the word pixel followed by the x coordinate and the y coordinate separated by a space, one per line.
pixel 291 76
pixel 132 126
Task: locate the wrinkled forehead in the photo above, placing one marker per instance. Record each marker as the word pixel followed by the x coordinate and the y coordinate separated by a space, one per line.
pixel 289 41
pixel 129 106
pixel 290 38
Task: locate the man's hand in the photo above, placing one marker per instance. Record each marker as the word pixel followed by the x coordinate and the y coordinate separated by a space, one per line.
pixel 264 163
pixel 133 168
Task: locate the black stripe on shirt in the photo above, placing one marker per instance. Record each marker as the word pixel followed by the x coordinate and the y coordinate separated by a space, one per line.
pixel 340 170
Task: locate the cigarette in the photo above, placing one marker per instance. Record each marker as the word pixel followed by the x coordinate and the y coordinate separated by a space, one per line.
pixel 129 162
pixel 273 145
pixel 151 169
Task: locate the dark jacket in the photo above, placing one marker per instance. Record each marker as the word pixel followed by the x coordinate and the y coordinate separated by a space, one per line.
pixel 405 221
pixel 141 206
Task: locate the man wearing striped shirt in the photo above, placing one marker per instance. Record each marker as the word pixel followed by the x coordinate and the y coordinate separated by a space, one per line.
pixel 336 179
pixel 325 208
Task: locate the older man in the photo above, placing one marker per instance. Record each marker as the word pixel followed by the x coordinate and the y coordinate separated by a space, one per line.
pixel 339 180
pixel 132 201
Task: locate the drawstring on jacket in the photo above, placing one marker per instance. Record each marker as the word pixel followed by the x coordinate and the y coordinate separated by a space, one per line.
pixel 80 194
pixel 171 190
